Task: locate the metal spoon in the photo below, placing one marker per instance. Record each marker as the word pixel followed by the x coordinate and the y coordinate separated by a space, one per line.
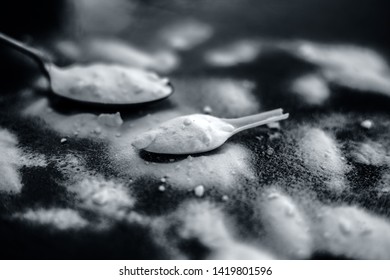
pixel 200 133
pixel 97 84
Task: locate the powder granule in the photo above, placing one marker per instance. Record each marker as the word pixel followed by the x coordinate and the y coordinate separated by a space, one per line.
pixel 199 191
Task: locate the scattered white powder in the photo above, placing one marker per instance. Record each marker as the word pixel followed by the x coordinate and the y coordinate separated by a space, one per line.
pixel 72 167
pixel 273 125
pixel 10 161
pixel 353 232
pixel 242 51
pixel 110 120
pixel 320 154
pixel 101 17
pixel 345 227
pixel 215 169
pixel 383 185
pixel 97 130
pixel 186 135
pixel 186 34
pixel 241 251
pixel 122 53
pixel 355 67
pixel 62 219
pixel 139 219
pixel 370 153
pixel 204 221
pixel 106 198
pixel 286 227
pixel 312 89
pixel 165 61
pixel 273 195
pixel 342 56
pixel 33 159
pixel 69 49
pixel 228 98
pixel 207 224
pixel 79 125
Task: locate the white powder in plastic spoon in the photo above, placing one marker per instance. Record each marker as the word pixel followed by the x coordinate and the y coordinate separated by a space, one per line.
pixel 185 135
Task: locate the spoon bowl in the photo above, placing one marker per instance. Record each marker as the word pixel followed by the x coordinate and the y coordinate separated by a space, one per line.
pixel 98 84
pixel 199 133
pixel 111 106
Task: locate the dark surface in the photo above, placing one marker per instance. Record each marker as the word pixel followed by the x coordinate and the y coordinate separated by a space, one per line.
pixel 361 22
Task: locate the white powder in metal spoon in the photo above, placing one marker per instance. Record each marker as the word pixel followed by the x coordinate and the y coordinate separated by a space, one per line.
pixel 112 84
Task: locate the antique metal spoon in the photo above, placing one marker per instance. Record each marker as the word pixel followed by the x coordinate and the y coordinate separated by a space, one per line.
pixel 97 84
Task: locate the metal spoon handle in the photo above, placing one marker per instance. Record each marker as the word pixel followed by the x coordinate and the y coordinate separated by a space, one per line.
pixel 35 54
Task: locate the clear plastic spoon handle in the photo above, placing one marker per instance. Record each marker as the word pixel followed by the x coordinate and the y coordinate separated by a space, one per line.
pixel 262 122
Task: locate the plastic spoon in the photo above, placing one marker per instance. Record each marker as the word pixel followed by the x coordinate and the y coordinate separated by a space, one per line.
pixel 200 133
pixel 97 84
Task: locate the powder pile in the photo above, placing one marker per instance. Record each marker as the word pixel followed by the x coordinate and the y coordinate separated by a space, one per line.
pixel 312 89
pixel 223 170
pixel 285 226
pixel 122 53
pixel 354 233
pixel 62 219
pixel 10 160
pixel 206 223
pixel 104 197
pixel 354 67
pixel 186 34
pixel 242 51
pixel 321 155
pixel 370 154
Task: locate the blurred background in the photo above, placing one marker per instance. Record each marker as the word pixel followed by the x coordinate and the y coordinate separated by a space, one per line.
pixel 358 21
pixel 41 22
